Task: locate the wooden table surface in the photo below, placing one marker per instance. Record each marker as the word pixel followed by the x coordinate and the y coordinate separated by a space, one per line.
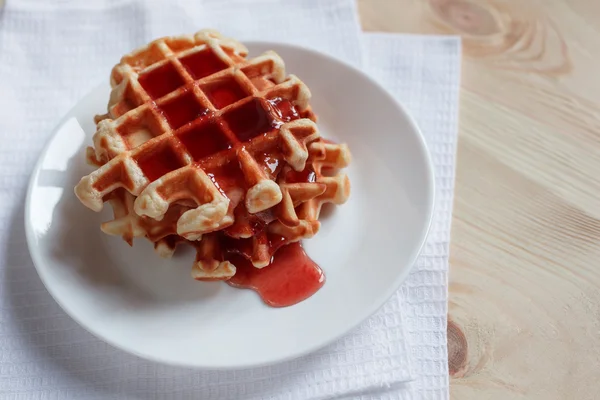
pixel 524 307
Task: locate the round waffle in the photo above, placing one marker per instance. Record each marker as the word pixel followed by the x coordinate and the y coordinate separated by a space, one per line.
pixel 204 146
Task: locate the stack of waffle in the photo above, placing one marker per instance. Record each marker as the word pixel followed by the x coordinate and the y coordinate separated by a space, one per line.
pixel 204 146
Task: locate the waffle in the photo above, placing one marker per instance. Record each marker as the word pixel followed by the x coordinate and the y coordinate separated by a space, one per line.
pixel 205 147
pixel 188 119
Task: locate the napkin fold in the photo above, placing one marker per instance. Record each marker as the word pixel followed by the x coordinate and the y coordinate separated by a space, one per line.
pixel 52 53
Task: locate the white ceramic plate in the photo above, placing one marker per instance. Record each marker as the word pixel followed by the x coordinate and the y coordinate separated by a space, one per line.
pixel 153 308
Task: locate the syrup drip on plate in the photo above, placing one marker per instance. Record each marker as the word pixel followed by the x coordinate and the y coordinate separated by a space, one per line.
pixel 290 278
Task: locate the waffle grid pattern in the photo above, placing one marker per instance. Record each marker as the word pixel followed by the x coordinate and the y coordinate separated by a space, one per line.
pixel 189 124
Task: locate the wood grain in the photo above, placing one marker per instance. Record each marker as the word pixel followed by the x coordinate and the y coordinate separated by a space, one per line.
pixel 524 319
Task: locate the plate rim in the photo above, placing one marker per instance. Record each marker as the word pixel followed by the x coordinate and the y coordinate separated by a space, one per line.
pixel 376 305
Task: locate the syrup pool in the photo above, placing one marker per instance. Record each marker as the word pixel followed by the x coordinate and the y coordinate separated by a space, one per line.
pixel 291 277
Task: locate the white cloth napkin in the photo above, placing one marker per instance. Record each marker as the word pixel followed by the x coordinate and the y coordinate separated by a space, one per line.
pixel 423 72
pixel 52 53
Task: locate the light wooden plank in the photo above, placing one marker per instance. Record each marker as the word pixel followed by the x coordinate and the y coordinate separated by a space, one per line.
pixel 525 254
